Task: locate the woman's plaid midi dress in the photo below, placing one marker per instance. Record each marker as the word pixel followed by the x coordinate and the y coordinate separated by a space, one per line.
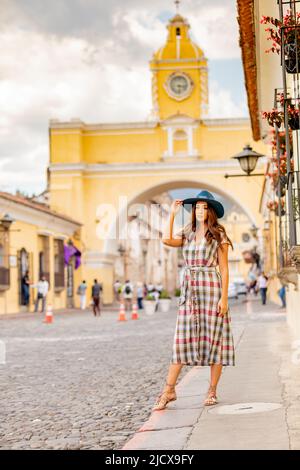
pixel 202 337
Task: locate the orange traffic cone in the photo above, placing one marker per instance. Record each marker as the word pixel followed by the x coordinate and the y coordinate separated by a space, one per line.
pixel 49 315
pixel 134 313
pixel 122 315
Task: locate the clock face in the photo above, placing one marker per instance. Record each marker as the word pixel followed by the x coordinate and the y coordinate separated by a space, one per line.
pixel 179 84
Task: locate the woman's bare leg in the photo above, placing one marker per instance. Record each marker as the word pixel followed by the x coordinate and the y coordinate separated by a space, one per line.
pixel 173 373
pixel 215 373
pixel 168 392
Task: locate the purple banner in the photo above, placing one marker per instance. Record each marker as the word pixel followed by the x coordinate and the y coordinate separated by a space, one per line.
pixel 69 251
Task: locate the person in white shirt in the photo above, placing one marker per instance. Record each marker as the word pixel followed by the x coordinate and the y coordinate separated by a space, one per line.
pixel 42 291
pixel 156 295
pixel 159 287
pixel 140 294
pixel 81 291
pixel 127 292
pixel 263 286
pixel 117 286
pixel 150 287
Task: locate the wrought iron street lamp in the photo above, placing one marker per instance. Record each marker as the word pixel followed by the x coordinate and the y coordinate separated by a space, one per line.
pixel 247 159
pixel 6 222
pixel 253 231
pixel 122 251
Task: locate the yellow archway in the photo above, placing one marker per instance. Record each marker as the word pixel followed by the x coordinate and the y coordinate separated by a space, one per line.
pixel 110 243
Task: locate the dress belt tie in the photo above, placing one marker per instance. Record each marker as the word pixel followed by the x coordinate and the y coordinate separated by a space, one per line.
pixel 185 283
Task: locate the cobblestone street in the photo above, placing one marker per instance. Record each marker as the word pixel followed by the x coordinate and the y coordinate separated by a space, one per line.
pixel 85 382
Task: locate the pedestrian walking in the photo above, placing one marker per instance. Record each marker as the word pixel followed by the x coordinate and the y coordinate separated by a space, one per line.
pixel 159 287
pixel 282 295
pixel 117 289
pixel 156 295
pixel 150 287
pixel 42 291
pixel 81 291
pixel 145 290
pixel 140 295
pixel 127 292
pixel 263 286
pixel 96 290
pixel 252 286
pixel 203 334
pixel 25 287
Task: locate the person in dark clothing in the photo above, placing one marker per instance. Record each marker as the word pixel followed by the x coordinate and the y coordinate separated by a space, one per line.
pixel 25 288
pixel 96 289
pixel 282 295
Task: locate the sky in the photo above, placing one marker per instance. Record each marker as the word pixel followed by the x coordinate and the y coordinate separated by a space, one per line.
pixel 89 59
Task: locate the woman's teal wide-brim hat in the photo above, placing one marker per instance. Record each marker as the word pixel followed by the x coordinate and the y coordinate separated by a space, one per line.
pixel 209 198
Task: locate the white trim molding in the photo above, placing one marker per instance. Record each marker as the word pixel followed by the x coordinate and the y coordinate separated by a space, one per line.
pixel 88 168
pixel 29 215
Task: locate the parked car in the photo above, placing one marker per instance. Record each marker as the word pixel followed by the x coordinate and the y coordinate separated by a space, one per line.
pixel 241 287
pixel 232 291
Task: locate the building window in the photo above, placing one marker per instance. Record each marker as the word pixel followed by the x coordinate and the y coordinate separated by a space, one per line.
pixel 59 265
pixel 4 268
pixel 23 267
pixel 180 142
pixel 44 262
pixel 180 134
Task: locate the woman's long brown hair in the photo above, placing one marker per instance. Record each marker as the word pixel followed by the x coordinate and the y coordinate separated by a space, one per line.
pixel 215 229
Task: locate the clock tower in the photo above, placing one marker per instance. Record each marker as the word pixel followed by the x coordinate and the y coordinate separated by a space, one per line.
pixel 179 75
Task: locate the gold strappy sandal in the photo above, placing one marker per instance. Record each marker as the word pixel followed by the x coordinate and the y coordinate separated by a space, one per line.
pixel 164 398
pixel 211 398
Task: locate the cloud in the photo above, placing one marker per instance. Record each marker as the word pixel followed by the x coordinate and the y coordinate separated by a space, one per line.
pixel 215 28
pixel 222 104
pixel 89 59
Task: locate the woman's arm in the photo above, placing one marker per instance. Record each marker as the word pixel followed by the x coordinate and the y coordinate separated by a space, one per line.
pixel 224 271
pixel 168 238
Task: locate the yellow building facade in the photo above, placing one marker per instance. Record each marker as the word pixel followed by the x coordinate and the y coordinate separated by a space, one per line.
pixel 266 78
pixel 99 173
pixel 32 238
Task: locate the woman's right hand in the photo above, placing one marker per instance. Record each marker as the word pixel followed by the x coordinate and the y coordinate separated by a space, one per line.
pixel 176 205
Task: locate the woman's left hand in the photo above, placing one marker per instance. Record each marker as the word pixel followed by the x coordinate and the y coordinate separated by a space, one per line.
pixel 222 307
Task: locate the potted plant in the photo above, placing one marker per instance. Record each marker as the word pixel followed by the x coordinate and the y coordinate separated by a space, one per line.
pixel 164 301
pixel 289 30
pixel 281 141
pixel 282 210
pixel 282 191
pixel 294 121
pixel 149 304
pixel 271 205
pixel 274 206
pixel 273 175
pixel 276 117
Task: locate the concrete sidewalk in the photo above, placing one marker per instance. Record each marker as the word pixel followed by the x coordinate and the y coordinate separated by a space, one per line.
pixel 261 393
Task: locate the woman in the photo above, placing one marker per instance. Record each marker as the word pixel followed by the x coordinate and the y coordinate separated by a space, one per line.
pixel 203 330
pixel 25 288
pixel 140 294
pixel 263 287
pixel 81 291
